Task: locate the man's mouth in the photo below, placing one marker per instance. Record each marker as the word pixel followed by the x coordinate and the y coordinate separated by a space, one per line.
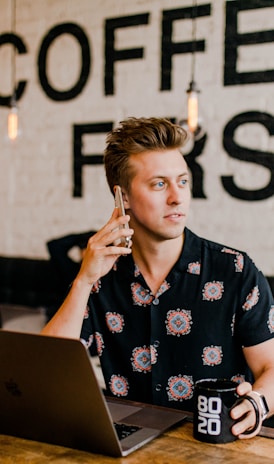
pixel 174 215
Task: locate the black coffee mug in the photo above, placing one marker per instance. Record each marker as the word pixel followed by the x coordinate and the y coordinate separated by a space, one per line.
pixel 213 401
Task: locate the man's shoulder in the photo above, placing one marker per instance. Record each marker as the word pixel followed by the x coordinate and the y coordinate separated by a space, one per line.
pixel 195 240
pixel 211 254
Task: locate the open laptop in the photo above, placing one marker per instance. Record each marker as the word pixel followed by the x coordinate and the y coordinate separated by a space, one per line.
pixel 50 393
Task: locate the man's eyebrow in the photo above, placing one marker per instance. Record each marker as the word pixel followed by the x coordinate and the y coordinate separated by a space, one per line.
pixel 162 176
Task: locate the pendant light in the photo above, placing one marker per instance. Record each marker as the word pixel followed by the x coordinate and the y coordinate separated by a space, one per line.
pixel 193 91
pixel 192 123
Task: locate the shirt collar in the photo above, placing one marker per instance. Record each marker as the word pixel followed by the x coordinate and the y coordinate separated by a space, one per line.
pixel 191 253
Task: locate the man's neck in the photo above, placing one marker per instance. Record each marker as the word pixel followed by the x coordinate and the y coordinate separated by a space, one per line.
pixel 155 260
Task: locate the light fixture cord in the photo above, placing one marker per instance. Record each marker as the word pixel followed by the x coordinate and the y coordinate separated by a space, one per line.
pixel 13 55
pixel 194 16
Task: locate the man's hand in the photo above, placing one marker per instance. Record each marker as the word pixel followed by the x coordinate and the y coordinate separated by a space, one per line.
pixel 244 412
pixel 101 254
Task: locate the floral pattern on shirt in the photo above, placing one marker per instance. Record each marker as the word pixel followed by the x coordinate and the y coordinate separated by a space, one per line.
pixel 180 388
pixel 252 299
pixel 115 322
pixel 142 358
pixel 239 259
pixel 212 355
pixel 270 322
pixel 213 291
pixel 153 348
pixel 118 385
pixel 178 322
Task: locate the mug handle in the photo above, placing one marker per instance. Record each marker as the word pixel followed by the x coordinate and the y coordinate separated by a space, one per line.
pixel 257 413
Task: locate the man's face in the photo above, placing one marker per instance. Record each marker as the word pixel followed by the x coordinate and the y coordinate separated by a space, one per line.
pixel 159 197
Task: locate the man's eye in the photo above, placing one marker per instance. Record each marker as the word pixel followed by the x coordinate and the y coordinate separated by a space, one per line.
pixel 184 181
pixel 159 184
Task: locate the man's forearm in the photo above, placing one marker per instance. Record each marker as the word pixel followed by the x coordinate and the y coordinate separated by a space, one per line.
pixel 68 320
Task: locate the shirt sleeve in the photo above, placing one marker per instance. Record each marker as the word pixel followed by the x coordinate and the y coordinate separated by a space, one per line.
pixel 256 314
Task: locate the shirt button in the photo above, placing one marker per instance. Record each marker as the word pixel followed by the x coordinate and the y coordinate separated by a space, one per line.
pixel 158 387
pixel 155 301
pixel 156 343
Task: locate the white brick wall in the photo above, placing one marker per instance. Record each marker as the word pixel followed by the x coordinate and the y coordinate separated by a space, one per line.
pixel 36 177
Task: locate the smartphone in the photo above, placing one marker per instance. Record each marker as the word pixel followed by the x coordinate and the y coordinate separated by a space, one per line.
pixel 123 241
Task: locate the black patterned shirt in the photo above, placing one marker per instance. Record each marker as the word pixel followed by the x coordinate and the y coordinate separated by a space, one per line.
pixel 153 348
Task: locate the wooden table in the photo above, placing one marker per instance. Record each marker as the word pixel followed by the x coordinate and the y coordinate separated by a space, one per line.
pixel 175 446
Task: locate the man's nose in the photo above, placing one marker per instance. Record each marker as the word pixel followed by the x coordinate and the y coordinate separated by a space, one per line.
pixel 175 194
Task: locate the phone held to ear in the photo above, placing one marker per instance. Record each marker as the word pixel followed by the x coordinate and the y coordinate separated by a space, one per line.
pixel 123 241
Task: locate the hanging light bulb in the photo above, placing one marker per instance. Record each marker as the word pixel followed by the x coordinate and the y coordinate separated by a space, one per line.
pixel 13 120
pixel 192 107
pixel 192 123
pixel 192 91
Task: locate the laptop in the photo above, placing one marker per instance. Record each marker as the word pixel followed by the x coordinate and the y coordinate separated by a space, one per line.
pixel 49 392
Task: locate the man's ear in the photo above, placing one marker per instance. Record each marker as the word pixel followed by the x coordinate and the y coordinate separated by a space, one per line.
pixel 125 199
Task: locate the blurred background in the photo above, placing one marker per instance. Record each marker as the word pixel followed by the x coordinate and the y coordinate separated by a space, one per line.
pixel 70 71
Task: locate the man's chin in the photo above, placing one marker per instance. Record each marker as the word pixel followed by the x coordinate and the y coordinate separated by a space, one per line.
pixel 172 235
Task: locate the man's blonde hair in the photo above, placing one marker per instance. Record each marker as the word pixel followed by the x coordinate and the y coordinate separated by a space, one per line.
pixel 134 136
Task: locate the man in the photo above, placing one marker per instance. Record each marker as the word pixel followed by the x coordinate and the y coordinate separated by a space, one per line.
pixel 172 308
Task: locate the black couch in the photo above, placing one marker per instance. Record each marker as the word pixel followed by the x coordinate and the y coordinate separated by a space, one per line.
pixel 28 282
pixel 34 283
